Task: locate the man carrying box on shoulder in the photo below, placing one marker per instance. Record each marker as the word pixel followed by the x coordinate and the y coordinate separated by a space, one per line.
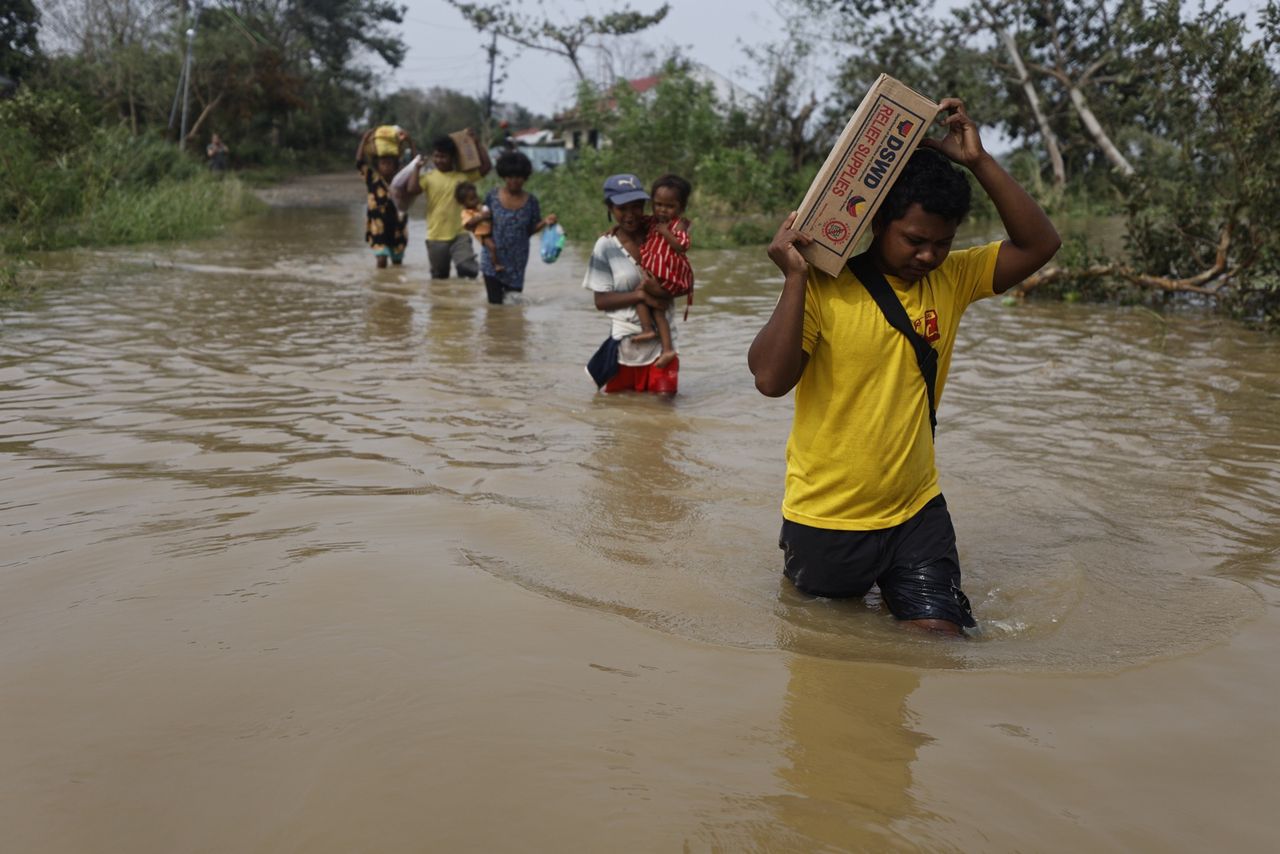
pixel 862 504
pixel 448 245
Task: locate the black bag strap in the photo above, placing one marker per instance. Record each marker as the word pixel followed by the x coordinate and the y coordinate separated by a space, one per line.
pixel 891 307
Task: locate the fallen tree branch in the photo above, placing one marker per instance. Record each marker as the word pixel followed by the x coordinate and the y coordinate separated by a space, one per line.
pixel 1197 284
pixel 1202 283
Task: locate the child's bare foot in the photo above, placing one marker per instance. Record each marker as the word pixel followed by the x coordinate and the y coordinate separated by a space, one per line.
pixel 647 335
pixel 667 357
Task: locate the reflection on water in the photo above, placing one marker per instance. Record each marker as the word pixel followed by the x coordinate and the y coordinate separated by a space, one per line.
pixel 1112 473
pixel 850 750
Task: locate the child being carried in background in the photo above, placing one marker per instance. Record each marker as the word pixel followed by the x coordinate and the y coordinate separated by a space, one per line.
pixel 386 227
pixel 663 255
pixel 468 196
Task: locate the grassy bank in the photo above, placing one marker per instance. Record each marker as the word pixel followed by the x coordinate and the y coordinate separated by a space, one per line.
pixel 170 210
pixel 65 183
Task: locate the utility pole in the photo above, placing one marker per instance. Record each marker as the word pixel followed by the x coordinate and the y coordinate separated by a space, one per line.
pixel 177 96
pixel 488 99
pixel 186 86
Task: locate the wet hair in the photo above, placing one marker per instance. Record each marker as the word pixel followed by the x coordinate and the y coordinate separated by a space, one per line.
pixel 513 164
pixel 681 187
pixel 929 180
pixel 446 145
pixel 461 191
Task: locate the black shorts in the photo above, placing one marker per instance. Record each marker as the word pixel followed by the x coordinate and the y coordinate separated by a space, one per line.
pixel 914 564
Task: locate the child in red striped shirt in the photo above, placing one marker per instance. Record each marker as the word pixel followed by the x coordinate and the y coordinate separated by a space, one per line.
pixel 664 256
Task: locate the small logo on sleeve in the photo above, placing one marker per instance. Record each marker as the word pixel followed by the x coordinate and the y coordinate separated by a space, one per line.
pixel 930 331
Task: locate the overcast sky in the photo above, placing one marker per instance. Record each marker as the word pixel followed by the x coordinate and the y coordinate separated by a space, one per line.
pixel 446 51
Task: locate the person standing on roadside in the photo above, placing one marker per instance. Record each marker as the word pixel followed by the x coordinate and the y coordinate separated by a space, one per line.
pixel 218 155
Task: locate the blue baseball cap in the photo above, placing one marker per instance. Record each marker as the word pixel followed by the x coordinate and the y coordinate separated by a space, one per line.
pixel 621 189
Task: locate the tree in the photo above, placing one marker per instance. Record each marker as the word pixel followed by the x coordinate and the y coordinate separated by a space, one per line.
pixel 285 73
pixel 332 32
pixel 430 114
pixel 546 33
pixel 905 39
pixel 783 115
pixel 1000 22
pixel 119 52
pixel 1079 42
pixel 19 49
pixel 1201 206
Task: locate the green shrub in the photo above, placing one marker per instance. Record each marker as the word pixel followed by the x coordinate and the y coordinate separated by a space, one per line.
pixel 65 183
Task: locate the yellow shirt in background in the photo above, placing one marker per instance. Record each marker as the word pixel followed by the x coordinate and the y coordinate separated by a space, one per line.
pixel 860 456
pixel 444 213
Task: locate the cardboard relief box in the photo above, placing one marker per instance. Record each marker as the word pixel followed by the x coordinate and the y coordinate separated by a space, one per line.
pixel 468 153
pixel 866 160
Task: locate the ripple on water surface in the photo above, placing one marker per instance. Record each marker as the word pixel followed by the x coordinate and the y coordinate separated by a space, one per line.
pixel 1111 474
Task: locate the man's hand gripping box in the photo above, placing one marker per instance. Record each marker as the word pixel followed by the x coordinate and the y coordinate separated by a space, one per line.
pixel 857 175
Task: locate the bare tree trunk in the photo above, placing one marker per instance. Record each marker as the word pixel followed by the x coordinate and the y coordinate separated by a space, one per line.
pixel 1046 132
pixel 1076 92
pixel 1099 135
pixel 204 114
pixel 577 66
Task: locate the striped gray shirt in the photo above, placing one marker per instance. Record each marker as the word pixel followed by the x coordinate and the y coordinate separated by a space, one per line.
pixel 612 269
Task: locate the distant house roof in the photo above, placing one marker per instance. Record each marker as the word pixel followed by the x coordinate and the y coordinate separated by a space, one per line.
pixel 532 136
pixel 644 84
pixel 725 89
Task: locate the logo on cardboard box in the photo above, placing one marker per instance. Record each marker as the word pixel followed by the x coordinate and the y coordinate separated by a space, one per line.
pixel 835 231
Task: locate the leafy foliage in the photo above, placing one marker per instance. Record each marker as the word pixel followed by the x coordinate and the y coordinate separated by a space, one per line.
pixel 679 127
pixel 19 49
pixel 65 182
pixel 1209 162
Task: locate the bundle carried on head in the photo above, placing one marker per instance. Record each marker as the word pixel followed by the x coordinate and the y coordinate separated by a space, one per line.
pixel 386 141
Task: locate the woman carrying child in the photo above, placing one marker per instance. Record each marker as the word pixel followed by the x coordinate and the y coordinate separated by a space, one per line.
pixel 619 286
pixel 515 216
pixel 386 227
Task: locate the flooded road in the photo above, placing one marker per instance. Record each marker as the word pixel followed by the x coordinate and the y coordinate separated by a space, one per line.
pixel 300 555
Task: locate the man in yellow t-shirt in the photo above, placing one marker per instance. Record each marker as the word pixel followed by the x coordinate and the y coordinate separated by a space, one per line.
pixel 447 242
pixel 862 504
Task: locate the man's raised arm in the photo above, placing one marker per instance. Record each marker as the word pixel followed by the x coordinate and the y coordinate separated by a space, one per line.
pixel 776 357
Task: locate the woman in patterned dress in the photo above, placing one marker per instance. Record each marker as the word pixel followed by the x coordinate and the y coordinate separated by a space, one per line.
pixel 516 217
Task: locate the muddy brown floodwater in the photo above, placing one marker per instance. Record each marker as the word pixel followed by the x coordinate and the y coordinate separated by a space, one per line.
pixel 299 555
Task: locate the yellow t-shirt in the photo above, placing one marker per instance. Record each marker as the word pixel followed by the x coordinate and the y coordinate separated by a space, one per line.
pixel 444 214
pixel 860 456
